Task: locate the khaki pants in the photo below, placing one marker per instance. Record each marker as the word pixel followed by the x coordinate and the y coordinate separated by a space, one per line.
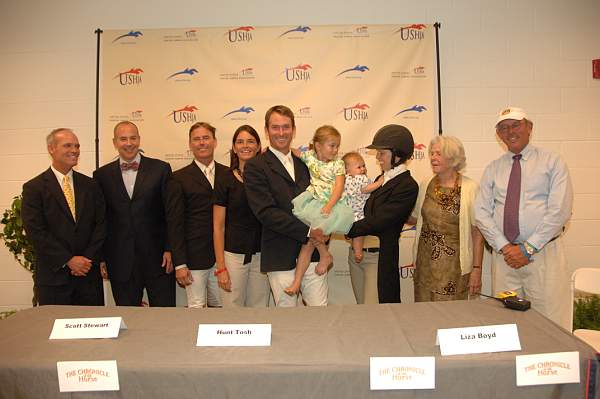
pixel 545 282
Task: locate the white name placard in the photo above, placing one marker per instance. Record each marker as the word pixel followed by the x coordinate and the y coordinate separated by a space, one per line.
pixel 547 368
pixel 234 335
pixel 482 339
pixel 402 373
pixel 97 327
pixel 88 376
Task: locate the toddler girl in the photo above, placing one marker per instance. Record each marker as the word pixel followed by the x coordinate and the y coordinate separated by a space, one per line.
pixel 321 206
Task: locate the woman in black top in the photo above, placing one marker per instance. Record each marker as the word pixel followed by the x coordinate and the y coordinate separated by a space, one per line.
pixel 236 231
pixel 388 207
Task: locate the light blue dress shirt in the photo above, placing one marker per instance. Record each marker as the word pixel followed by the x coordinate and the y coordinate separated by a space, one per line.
pixel 546 199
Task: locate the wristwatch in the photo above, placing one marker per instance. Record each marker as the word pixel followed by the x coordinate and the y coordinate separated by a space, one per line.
pixel 530 249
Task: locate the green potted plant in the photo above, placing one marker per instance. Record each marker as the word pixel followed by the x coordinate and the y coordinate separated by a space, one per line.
pixel 14 237
pixel 587 313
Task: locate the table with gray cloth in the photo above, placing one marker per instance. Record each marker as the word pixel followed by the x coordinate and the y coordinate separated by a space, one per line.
pixel 314 353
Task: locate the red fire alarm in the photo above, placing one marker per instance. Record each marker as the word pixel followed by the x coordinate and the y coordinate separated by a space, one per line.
pixel 596 68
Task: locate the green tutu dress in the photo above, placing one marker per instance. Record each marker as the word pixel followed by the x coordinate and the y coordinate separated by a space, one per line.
pixel 308 205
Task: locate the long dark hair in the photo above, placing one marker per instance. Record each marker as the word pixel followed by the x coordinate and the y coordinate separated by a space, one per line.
pixel 234 161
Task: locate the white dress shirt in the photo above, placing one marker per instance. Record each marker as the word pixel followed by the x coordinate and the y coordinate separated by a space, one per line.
pixel 208 170
pixel 130 175
pixel 390 174
pixel 60 177
pixel 287 161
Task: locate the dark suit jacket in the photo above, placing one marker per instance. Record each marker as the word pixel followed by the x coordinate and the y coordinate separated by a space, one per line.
pixel 191 217
pixel 56 237
pixel 136 226
pixel 386 211
pixel 270 191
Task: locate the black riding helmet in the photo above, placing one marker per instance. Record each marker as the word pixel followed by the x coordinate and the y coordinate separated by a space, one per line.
pixel 396 138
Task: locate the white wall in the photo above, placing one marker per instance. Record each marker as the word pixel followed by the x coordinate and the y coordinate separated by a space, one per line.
pixel 530 53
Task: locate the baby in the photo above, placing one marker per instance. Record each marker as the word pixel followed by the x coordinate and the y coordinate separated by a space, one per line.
pixel 357 187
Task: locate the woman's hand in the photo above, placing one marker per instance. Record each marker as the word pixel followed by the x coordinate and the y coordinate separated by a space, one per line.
pixel 475 281
pixel 224 280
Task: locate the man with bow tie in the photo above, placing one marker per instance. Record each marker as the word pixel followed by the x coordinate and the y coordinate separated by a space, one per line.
pixel 63 216
pixel 136 250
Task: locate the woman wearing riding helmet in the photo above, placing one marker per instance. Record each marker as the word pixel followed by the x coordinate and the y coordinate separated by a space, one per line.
pixel 388 207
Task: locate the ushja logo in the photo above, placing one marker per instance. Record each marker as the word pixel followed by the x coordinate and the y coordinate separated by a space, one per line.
pixel 412 32
pixel 356 112
pixel 299 72
pixel 130 77
pixel 185 114
pixel 241 34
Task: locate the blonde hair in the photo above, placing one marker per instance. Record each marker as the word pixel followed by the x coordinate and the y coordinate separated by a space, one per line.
pixel 352 156
pixel 325 132
pixel 452 149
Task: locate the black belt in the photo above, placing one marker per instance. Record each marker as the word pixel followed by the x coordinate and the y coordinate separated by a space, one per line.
pixel 371 250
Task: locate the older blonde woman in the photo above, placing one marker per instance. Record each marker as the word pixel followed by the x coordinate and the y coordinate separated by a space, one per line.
pixel 448 248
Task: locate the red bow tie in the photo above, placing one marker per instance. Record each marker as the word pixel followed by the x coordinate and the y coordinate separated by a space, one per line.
pixel 130 166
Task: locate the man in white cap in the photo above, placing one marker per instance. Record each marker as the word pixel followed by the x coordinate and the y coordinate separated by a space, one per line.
pixel 525 200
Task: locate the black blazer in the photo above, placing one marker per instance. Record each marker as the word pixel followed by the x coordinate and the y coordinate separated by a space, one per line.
pixel 56 237
pixel 136 226
pixel 191 217
pixel 386 211
pixel 270 191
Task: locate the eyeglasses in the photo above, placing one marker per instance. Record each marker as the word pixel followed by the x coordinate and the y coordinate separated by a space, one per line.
pixel 505 128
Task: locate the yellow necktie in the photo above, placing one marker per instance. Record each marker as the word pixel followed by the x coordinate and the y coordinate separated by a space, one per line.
pixel 69 195
pixel 209 175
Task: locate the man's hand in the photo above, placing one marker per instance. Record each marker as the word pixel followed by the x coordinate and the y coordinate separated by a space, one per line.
pixel 167 263
pixel 514 257
pixel 103 271
pixel 79 265
pixel 183 276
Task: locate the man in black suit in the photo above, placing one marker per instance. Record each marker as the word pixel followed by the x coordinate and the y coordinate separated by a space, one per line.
pixel 63 216
pixel 388 207
pixel 136 251
pixel 272 180
pixel 191 207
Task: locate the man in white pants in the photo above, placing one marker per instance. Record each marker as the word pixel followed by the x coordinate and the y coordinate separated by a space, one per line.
pixel 272 180
pixel 525 199
pixel 190 203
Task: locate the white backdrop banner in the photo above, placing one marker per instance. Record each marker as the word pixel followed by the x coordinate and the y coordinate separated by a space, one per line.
pixel 357 78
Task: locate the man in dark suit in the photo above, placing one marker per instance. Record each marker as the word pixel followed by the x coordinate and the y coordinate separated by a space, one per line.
pixel 136 251
pixel 63 216
pixel 388 207
pixel 191 207
pixel 272 180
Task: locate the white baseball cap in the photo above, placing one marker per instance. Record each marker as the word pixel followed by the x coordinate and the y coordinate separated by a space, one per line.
pixel 511 113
